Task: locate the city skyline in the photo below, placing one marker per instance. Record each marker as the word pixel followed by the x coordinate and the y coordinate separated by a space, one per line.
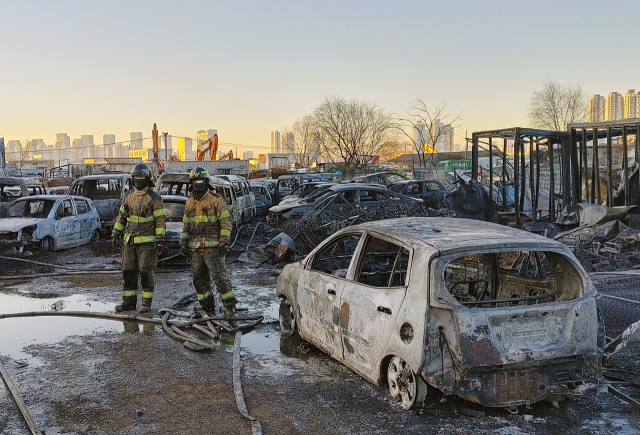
pixel 249 78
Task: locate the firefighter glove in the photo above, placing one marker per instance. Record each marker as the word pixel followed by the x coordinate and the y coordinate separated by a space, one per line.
pixel 223 248
pixel 117 242
pixel 159 248
pixel 184 250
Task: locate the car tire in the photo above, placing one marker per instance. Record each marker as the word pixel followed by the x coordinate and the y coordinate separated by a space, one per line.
pixel 405 387
pixel 287 318
pixel 47 244
pixel 95 236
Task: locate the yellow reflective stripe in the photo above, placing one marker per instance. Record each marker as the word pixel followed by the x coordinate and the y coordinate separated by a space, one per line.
pixel 224 214
pixel 129 293
pixel 227 295
pixel 119 226
pixel 204 296
pixel 184 235
pixel 147 295
pixel 201 219
pixel 159 231
pixel 225 233
pixel 122 209
pixel 126 238
pixel 159 212
pixel 144 239
pixel 140 219
pixel 186 219
pixel 204 244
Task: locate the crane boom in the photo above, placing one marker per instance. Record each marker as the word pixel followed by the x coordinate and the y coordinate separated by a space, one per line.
pixel 211 145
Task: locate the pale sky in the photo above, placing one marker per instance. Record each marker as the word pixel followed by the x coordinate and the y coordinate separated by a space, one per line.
pixel 249 67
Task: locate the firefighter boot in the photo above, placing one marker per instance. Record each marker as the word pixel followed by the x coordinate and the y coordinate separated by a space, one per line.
pixel 231 310
pixel 128 303
pixel 146 305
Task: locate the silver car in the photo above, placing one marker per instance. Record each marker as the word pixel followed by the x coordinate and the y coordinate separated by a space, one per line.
pixel 49 223
pixel 495 315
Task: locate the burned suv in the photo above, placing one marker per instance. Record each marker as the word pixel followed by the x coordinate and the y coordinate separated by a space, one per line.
pixel 496 315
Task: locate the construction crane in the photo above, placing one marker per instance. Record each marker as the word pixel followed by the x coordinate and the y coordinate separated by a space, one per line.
pixel 156 149
pixel 211 145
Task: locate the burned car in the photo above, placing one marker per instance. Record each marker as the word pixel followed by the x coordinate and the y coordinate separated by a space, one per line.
pixel 49 223
pixel 432 192
pixel 495 315
pixel 107 192
pixel 174 214
pixel 383 178
pixel 262 198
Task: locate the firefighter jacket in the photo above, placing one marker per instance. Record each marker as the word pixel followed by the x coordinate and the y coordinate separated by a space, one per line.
pixel 141 218
pixel 206 222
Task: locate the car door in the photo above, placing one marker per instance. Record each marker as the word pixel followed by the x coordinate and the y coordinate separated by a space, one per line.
pixel 370 302
pixel 320 289
pixel 67 225
pixel 85 220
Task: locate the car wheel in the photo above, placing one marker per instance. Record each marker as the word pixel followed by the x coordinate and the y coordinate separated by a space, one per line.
pixel 95 236
pixel 287 317
pixel 47 244
pixel 406 388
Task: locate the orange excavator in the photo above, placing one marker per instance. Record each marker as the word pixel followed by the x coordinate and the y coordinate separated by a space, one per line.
pixel 228 156
pixel 210 145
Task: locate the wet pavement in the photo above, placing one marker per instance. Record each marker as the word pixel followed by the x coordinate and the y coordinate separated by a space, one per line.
pixel 93 376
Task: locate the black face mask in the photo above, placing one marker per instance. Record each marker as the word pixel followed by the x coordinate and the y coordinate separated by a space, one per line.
pixel 140 183
pixel 199 189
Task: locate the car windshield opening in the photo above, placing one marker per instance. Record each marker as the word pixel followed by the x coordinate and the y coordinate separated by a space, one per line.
pixel 35 208
pixel 335 258
pixel 488 280
pixel 174 211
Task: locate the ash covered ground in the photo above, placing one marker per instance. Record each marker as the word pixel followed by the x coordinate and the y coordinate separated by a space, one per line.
pixel 88 376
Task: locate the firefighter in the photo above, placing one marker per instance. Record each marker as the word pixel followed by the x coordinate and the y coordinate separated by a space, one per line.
pixel 205 236
pixel 337 178
pixel 139 231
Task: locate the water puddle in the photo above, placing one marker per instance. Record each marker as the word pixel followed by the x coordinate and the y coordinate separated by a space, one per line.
pixel 259 342
pixel 24 331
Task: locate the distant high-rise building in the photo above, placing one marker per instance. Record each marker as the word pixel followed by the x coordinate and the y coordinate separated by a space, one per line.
pixel 185 148
pixel 276 144
pixel 615 107
pixel 135 139
pixel 63 141
pixel 247 155
pixel 38 145
pixel 75 143
pixel 288 143
pixel 108 139
pixel 419 135
pixel 597 108
pixel 443 134
pixel 632 104
pixel 204 135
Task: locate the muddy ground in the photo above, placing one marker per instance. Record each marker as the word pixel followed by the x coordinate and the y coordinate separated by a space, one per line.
pixel 88 376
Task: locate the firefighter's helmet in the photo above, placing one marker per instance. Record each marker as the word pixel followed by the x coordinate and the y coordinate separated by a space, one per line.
pixel 198 173
pixel 142 169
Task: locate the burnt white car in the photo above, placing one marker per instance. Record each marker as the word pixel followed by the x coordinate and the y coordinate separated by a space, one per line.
pixel 49 223
pixel 498 316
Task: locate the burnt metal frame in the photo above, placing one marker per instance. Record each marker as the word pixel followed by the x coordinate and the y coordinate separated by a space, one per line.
pixel 582 133
pixel 541 138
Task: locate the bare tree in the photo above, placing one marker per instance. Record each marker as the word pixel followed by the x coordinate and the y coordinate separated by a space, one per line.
pixel 393 147
pixel 426 128
pixel 557 104
pixel 307 142
pixel 23 153
pixel 353 131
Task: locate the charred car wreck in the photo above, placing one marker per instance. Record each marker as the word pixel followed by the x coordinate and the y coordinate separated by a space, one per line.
pixel 494 315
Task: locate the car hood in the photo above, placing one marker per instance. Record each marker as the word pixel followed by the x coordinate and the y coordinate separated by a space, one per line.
pixel 281 208
pixel 16 224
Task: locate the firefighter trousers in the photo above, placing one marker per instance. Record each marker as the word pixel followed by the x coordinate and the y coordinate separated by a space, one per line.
pixel 138 259
pixel 207 264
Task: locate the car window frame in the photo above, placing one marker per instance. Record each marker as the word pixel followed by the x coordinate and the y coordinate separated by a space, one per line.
pixel 384 237
pixel 356 253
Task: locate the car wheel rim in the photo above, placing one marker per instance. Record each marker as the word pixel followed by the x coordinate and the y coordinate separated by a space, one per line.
pixel 402 382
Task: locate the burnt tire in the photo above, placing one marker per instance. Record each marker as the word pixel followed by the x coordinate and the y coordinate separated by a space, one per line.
pixel 287 318
pixel 47 244
pixel 406 388
pixel 95 236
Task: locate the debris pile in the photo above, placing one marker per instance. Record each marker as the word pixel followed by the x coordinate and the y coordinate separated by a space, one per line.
pixel 604 248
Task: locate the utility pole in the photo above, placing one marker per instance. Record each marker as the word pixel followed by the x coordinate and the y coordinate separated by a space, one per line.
pixel 166 158
pixel 156 157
